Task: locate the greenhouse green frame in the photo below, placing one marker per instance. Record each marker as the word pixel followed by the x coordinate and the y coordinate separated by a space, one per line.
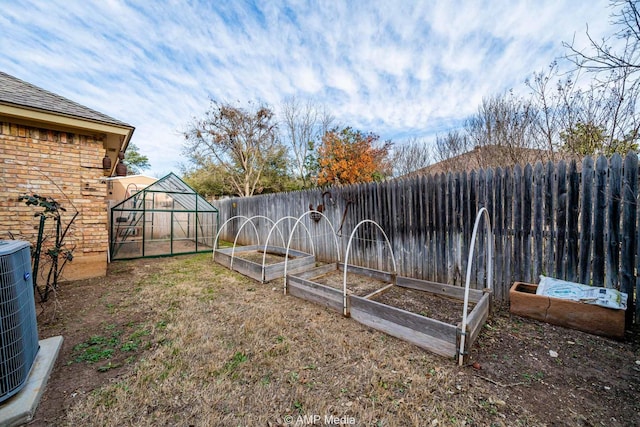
pixel 166 218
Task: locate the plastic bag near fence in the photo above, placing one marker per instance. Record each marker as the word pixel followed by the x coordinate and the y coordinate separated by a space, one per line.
pixel 604 297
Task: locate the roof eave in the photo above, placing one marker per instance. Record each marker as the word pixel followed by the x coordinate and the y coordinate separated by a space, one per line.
pixel 121 131
pixel 45 116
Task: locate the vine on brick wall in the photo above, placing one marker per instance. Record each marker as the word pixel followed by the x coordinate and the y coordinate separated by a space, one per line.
pixel 49 264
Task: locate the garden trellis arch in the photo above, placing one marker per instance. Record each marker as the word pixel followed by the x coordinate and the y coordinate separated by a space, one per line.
pixel 299 221
pixel 345 308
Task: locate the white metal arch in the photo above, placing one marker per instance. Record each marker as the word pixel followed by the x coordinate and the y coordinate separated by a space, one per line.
pixel 482 213
pixel 275 227
pixel 346 260
pixel 298 221
pixel 249 220
pixel 266 243
pixel 215 242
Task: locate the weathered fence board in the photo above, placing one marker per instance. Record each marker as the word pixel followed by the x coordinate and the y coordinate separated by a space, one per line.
pixel 630 192
pixel 498 232
pixel 572 222
pixel 613 223
pixel 508 236
pixel 561 221
pixel 517 221
pixel 585 220
pixel 527 189
pixel 599 222
pixel 549 210
pixel 537 220
pixel 575 221
pixel 481 251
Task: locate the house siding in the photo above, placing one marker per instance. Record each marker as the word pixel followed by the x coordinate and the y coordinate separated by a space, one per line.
pixel 63 165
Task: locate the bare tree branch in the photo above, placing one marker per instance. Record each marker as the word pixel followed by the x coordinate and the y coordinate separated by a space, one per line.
pixel 242 141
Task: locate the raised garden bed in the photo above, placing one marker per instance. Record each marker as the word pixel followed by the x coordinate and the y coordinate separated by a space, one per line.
pixel 393 313
pixel 248 260
pixel 324 285
pixel 570 314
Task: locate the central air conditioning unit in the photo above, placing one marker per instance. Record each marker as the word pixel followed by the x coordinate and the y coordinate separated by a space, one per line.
pixel 18 328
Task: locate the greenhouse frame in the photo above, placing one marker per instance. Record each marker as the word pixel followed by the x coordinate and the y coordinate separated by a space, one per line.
pixel 166 218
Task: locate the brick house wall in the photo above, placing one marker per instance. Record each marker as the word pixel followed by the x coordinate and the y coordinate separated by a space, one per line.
pixel 66 166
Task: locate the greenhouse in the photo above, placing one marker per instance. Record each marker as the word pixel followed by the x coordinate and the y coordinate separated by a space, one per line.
pixel 166 218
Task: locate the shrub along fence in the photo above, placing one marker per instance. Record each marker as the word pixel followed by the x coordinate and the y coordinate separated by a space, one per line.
pixel 575 221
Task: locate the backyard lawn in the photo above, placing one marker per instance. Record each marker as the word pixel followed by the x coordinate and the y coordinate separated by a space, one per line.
pixel 183 341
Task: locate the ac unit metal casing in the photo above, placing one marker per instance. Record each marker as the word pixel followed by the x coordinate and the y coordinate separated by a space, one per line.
pixel 18 326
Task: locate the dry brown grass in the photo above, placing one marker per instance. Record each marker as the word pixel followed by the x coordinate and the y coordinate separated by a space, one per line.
pixel 228 351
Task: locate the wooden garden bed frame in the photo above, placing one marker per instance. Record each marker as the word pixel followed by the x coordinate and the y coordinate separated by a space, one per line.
pixel 231 257
pixel 439 337
pixel 262 272
pixel 430 334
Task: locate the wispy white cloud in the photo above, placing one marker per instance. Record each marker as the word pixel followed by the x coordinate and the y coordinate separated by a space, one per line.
pixel 394 68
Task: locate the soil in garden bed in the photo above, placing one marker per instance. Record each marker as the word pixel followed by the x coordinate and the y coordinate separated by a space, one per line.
pixel 357 284
pixel 426 304
pixel 256 256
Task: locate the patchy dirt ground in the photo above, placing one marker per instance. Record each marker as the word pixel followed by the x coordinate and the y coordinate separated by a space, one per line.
pixel 183 342
pixel 86 313
pixel 592 380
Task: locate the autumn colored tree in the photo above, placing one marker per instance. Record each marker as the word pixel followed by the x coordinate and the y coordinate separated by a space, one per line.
pixel 349 156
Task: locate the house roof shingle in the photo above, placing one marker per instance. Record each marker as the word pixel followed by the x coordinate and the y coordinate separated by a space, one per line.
pixel 22 94
pixel 491 156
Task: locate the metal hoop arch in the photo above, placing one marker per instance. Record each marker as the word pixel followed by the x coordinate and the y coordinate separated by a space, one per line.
pixel 266 243
pixel 482 213
pixel 346 259
pixel 286 256
pixel 215 242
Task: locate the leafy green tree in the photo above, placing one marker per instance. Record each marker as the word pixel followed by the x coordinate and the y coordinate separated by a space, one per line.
pixel 212 180
pixel 135 161
pixel 588 139
pixel 583 139
pixel 276 176
pixel 311 165
pixel 209 179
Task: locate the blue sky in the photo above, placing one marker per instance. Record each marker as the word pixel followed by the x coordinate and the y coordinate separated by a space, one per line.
pixel 397 68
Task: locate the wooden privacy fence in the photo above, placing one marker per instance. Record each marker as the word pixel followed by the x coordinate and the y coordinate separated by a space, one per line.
pixel 575 221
